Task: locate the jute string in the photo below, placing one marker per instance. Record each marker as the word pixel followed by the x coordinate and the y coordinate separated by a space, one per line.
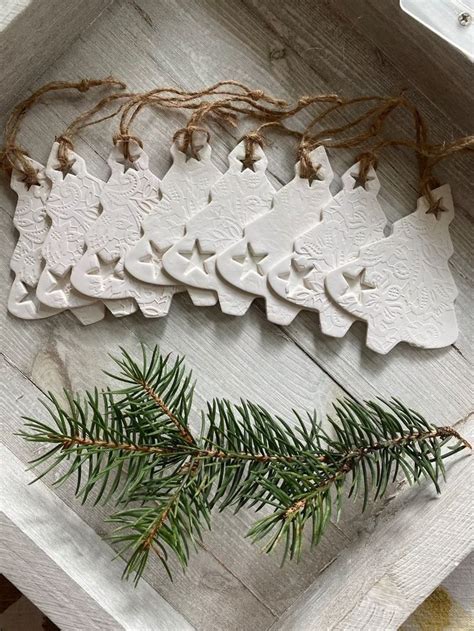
pixel 224 102
pixel 12 155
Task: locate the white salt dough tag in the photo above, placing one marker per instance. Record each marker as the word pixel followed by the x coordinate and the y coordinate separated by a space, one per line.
pixel 238 197
pixel 296 207
pixel 73 205
pixel 401 285
pixel 353 219
pixel 31 221
pixel 127 197
pixel 27 261
pixel 185 191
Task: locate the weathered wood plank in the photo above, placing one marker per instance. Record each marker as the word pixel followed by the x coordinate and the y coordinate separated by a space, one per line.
pixel 31 21
pixel 450 606
pixel 415 51
pixel 78 552
pixel 52 363
pixel 56 594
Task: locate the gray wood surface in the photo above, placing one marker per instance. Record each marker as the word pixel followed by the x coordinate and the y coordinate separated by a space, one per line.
pixel 34 33
pixel 72 549
pixel 288 48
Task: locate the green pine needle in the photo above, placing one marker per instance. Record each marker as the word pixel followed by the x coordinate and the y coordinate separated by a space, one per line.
pixel 133 446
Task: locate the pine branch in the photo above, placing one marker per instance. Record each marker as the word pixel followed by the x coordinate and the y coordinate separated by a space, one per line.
pixel 134 445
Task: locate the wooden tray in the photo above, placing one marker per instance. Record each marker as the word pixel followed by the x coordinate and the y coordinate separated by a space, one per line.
pixel 370 571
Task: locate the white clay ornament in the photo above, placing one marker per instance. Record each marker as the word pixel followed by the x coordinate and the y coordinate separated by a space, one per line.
pixel 238 197
pixel 353 219
pixel 296 207
pixel 130 194
pixel 31 221
pixel 185 190
pixel 402 285
pixel 73 205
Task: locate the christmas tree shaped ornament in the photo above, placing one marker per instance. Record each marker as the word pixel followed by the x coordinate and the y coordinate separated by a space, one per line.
pixel 73 205
pixel 185 190
pixel 268 239
pixel 242 194
pixel 31 221
pixel 351 220
pixel 33 187
pixel 27 262
pixel 131 193
pixel 402 285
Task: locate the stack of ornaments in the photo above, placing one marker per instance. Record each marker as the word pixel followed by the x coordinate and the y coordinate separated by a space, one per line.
pixel 227 238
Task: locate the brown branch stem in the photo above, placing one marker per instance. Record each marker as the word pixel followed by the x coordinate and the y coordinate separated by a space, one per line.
pixel 183 430
pixel 350 458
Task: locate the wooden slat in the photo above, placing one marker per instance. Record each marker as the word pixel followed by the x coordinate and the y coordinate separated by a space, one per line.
pixel 73 547
pixel 47 37
pixel 413 49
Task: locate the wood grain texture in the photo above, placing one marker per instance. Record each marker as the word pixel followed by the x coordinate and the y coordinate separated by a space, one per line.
pixel 450 606
pixel 80 553
pixel 31 22
pixel 288 49
pixel 30 568
pixel 414 49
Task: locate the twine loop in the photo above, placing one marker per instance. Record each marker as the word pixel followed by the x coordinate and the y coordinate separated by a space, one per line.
pixel 185 137
pixel 124 139
pixel 225 102
pixel 251 141
pixel 307 169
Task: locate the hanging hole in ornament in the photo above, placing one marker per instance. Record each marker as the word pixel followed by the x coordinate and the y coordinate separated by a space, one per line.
pixel 316 175
pixel 29 180
pixel 436 208
pixel 129 164
pixel 191 142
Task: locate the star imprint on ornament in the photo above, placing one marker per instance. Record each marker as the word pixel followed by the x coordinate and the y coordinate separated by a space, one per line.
pixel 154 254
pixel 61 284
pixel 250 262
pixel 357 285
pixel 295 278
pixel 29 295
pixel 106 269
pixel 197 258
